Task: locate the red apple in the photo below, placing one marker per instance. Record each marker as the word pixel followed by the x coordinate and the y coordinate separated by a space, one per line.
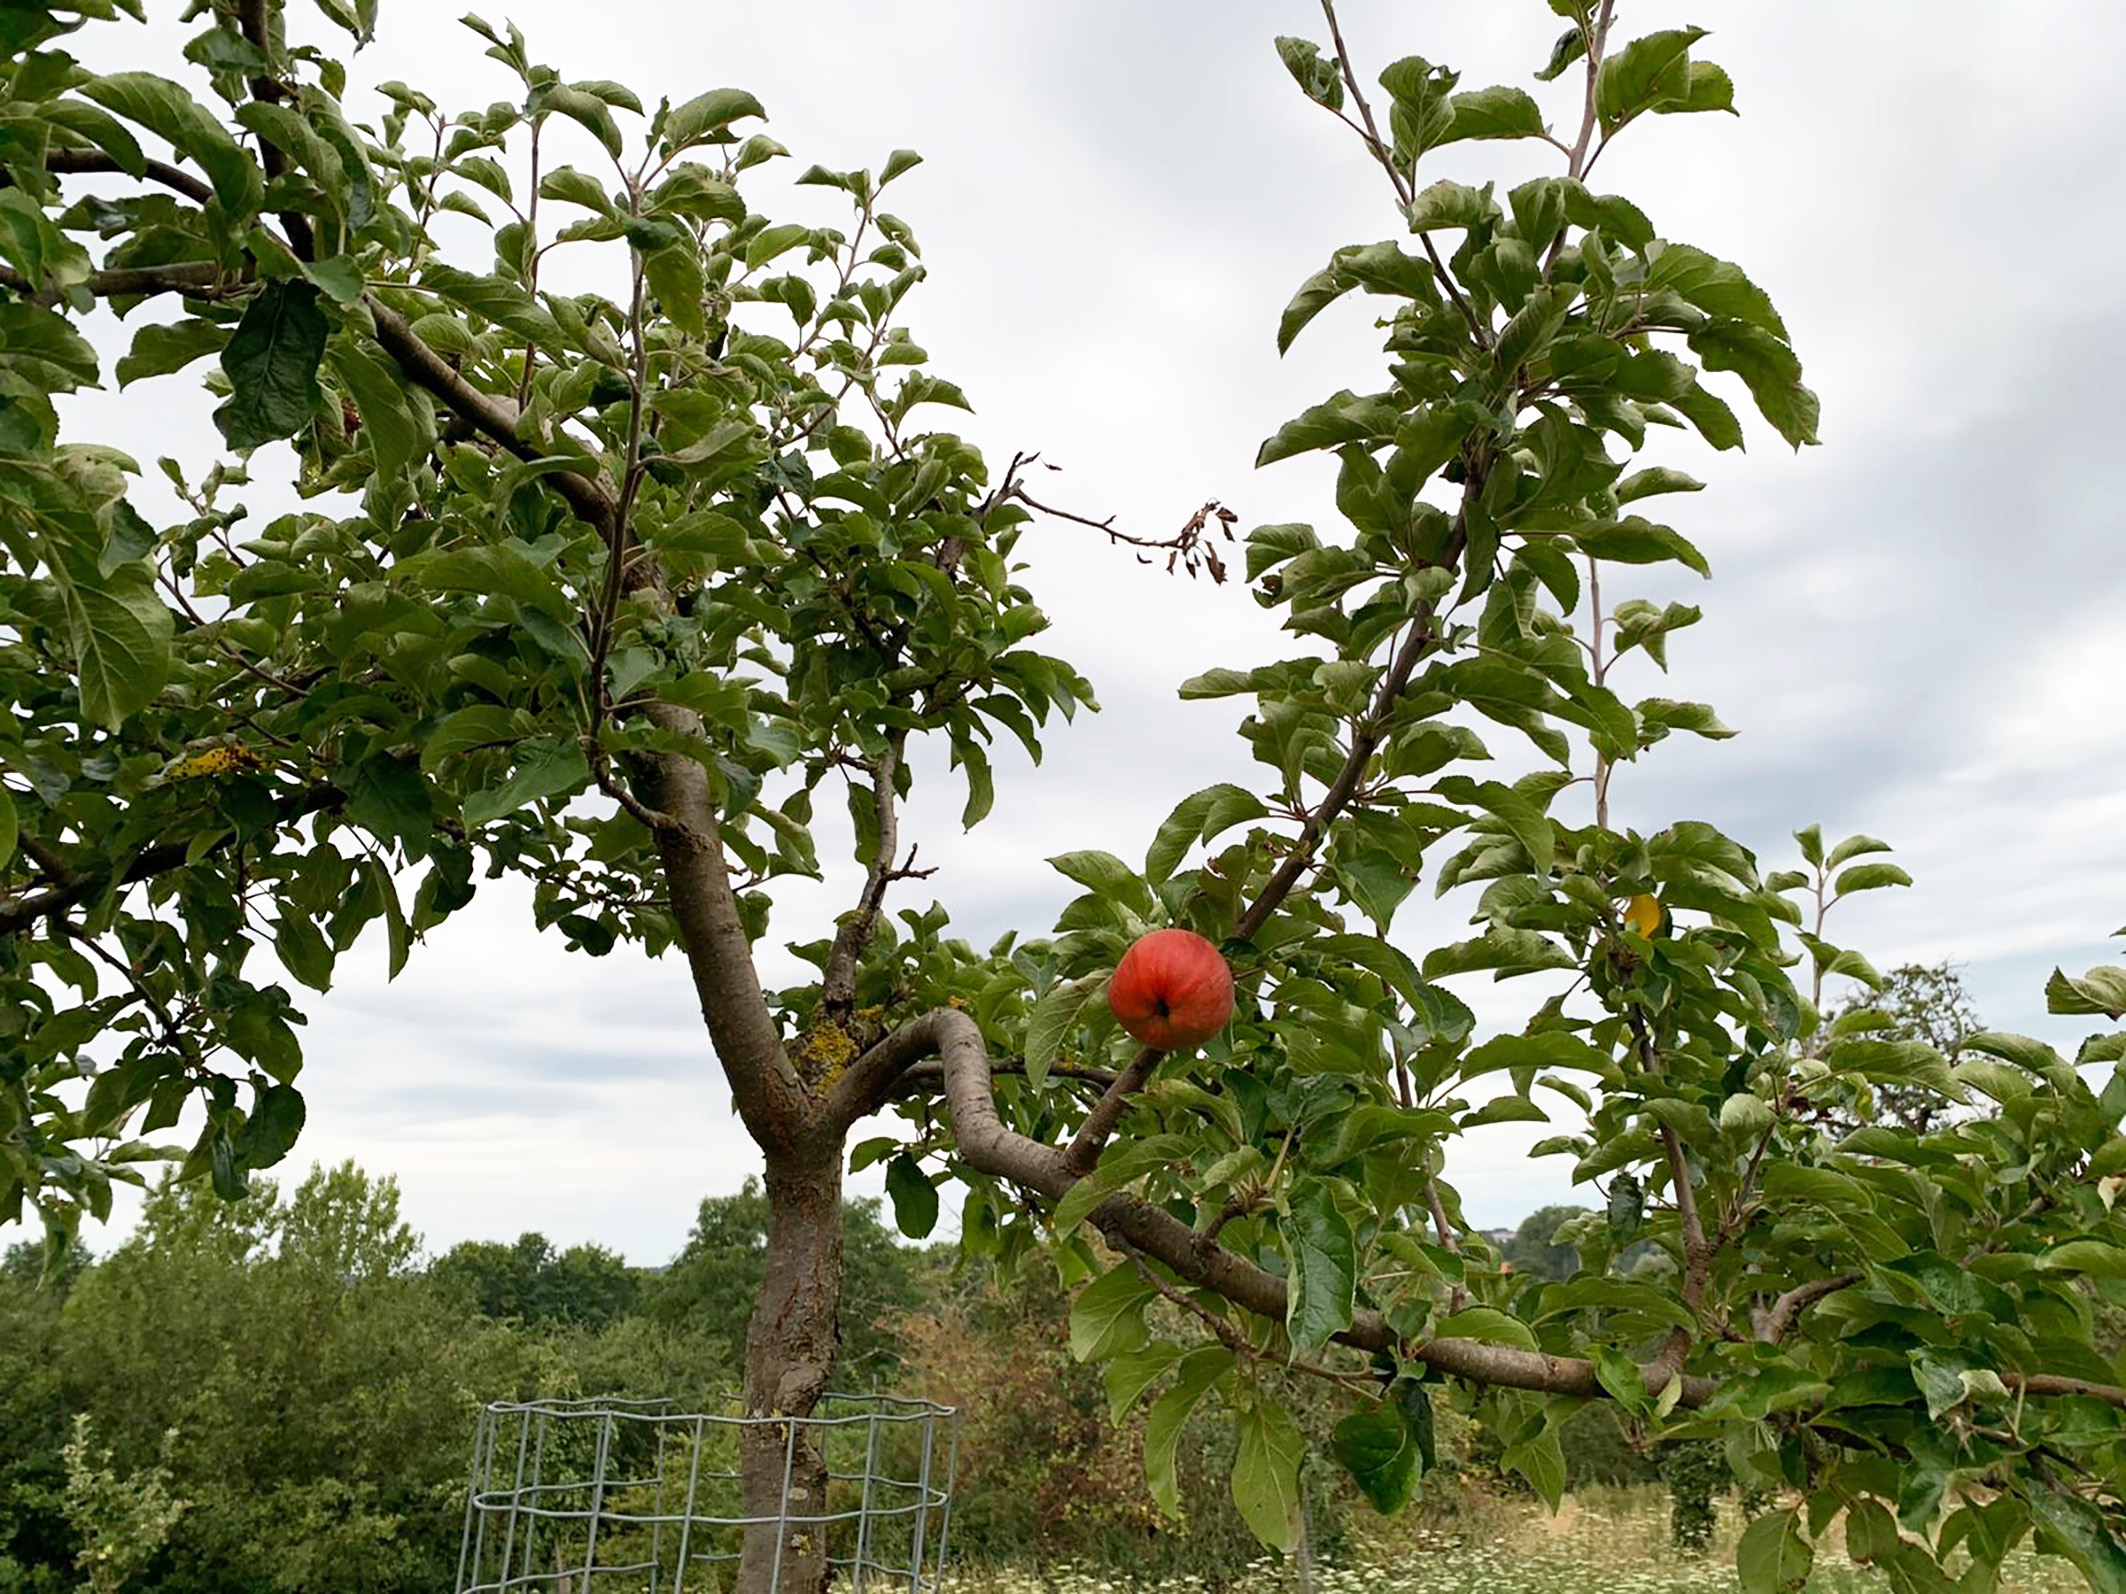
pixel 1171 990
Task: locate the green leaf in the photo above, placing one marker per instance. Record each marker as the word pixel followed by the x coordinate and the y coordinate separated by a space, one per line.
pixel 1451 205
pixel 2100 991
pixel 1571 45
pixel 1322 1254
pixel 1627 1208
pixel 1768 368
pixel 1710 414
pixel 1523 818
pixel 387 797
pixel 1713 285
pixel 271 361
pixel 2081 1533
pixel 1101 873
pixel 1377 1448
pixel 1266 1473
pixel 2094 1257
pixel 1634 540
pixel 1487 1324
pixel 1541 1461
pixel 547 768
pixel 495 568
pixel 56 357
pixel 1646 74
pixel 93 124
pixel 466 730
pixel 769 242
pixel 166 110
pixel 674 276
pixel 1198 817
pixel 10 827
pixel 915 1198
pixel 1130 1374
pixel 1108 1316
pixel 162 347
pixel 1709 89
pixel 1318 76
pixel 1773 1555
pixel 1871 877
pixel 1342 418
pixel 708 116
pixel 387 420
pixel 340 279
pixel 1054 1016
pixel 270 1132
pixel 502 302
pixel 1199 1370
pixel 586 109
pixel 120 633
pixel 1493 113
pixel 303 951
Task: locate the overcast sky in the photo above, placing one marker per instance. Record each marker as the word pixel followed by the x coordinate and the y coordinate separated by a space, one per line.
pixel 1916 627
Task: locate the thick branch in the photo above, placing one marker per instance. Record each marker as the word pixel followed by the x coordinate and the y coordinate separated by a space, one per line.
pixel 252 17
pixel 196 279
pixel 989 1146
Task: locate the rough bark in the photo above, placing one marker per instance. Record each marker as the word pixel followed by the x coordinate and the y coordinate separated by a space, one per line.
pixel 790 1347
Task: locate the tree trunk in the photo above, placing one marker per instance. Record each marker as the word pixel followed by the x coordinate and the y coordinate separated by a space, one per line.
pixel 790 1347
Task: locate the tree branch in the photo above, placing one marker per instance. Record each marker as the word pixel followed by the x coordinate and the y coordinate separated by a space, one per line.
pixel 1364 743
pixel 1778 1320
pixel 195 279
pixel 69 162
pixel 1084 1148
pixel 253 18
pixel 2052 1384
pixel 990 1147
pixel 20 912
pixel 837 990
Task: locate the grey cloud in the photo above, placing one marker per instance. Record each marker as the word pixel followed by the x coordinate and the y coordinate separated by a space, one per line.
pixel 1907 625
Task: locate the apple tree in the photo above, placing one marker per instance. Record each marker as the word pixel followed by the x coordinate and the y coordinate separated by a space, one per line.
pixel 608 589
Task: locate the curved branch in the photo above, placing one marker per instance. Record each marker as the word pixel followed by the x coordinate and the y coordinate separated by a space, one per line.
pixel 1778 1320
pixel 989 1146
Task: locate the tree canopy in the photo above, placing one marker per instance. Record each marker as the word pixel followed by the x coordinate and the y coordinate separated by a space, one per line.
pixel 609 590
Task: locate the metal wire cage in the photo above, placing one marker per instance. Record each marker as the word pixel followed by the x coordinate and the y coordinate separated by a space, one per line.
pixel 615 1495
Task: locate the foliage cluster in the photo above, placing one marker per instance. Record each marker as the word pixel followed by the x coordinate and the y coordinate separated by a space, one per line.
pixel 612 589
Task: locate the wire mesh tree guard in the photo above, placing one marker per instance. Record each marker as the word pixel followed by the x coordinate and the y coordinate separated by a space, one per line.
pixel 610 1495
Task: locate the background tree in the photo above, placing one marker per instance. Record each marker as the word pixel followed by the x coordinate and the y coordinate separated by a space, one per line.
pixel 532 1283
pixel 1538 1248
pixel 635 573
pixel 1925 1003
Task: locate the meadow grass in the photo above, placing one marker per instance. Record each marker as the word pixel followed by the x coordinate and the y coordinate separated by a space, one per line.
pixel 1605 1542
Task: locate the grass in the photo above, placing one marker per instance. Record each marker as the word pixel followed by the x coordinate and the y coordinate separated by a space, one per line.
pixel 1605 1542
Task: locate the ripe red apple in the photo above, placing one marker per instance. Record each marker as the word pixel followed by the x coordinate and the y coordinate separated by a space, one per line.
pixel 1171 990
